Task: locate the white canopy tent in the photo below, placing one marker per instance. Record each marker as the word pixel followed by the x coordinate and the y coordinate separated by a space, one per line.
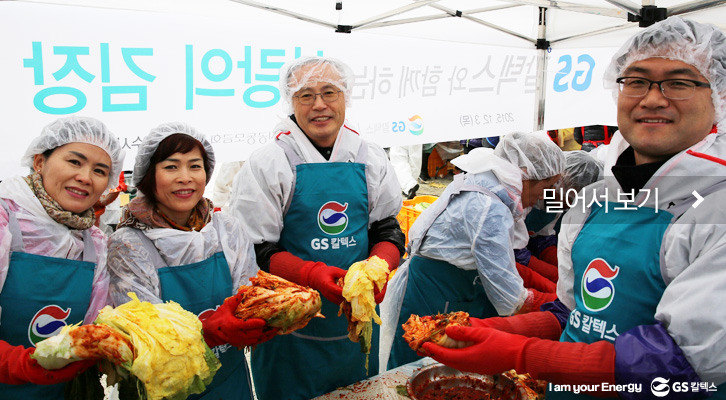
pixel 563 48
pixel 511 23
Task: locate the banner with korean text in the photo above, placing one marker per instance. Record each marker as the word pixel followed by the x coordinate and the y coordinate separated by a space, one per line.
pixel 134 70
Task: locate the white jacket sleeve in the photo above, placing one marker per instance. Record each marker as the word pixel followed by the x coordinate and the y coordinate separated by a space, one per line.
pixel 493 250
pixel 259 193
pixel 695 270
pixel 101 277
pixel 5 240
pixel 132 269
pixel 238 250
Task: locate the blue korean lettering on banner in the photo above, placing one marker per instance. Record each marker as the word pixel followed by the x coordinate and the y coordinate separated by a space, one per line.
pixel 73 66
pixel 257 93
pixel 128 55
pixel 66 90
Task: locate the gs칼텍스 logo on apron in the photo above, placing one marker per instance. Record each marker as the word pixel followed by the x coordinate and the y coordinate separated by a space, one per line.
pixel 332 218
pixel 597 287
pixel 47 322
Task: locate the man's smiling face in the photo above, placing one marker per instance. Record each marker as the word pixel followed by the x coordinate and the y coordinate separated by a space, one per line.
pixel 657 127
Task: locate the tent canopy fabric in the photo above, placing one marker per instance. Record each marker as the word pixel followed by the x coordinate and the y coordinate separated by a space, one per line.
pixel 511 23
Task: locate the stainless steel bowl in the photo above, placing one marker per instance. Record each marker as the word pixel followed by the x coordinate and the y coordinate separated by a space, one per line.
pixel 438 376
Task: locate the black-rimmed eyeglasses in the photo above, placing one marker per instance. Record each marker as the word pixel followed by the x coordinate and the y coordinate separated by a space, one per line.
pixel 328 96
pixel 674 89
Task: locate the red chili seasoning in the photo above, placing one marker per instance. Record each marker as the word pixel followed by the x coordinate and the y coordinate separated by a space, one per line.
pixel 457 393
pixel 460 388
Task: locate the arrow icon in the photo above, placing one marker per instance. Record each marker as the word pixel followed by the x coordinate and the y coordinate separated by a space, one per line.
pixel 698 197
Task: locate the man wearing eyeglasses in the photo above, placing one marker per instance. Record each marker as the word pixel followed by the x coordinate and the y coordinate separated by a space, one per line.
pixel 316 200
pixel 642 259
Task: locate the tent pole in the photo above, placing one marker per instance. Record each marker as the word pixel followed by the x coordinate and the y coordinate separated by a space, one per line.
pixel 541 88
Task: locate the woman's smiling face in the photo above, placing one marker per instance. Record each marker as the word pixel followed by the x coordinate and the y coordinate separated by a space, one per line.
pixel 75 175
pixel 180 182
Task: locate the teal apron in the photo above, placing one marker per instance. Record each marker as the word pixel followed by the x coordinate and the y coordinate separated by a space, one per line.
pixel 327 221
pixel 436 286
pixel 617 278
pixel 537 219
pixel 41 295
pixel 201 287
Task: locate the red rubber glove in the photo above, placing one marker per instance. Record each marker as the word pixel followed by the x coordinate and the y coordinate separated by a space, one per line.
pixel 533 280
pixel 316 275
pixel 534 300
pixel 549 255
pixel 223 327
pixel 121 186
pixel 544 268
pixel 389 253
pixel 539 324
pixel 493 352
pixel 16 367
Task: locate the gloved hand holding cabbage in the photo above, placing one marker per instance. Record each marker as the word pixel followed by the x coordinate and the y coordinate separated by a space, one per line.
pixel 359 305
pixel 160 345
pixel 281 303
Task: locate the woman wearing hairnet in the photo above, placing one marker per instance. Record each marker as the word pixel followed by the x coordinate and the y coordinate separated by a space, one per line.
pixel 461 247
pixel 540 255
pixel 171 246
pixel 52 259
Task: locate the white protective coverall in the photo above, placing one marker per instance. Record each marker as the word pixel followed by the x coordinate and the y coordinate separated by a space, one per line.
pixel 473 232
pixel 261 207
pixel 135 270
pixel 692 255
pixel 406 161
pixel 42 235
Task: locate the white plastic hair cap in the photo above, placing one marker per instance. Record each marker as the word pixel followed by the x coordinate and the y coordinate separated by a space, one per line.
pixel 150 143
pixel 536 155
pixel 581 169
pixel 75 129
pixel 306 71
pixel 675 38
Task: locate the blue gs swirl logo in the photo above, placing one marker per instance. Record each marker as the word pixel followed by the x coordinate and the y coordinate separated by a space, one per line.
pixel 597 288
pixel 332 218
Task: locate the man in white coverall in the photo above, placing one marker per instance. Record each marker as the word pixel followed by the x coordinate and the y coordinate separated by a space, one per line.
pixel 316 200
pixel 637 313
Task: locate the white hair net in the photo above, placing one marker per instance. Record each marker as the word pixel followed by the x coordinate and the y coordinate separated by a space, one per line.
pixel 697 44
pixel 536 155
pixel 306 71
pixel 77 129
pixel 581 169
pixel 151 143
